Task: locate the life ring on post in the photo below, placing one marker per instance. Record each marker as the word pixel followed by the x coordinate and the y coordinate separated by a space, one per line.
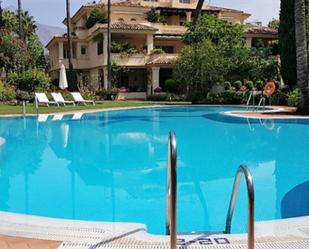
pixel 269 88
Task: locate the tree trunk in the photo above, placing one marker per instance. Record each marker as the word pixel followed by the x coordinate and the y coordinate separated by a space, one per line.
pixel 197 14
pixel 71 77
pixel 20 30
pixel 301 55
pixel 109 64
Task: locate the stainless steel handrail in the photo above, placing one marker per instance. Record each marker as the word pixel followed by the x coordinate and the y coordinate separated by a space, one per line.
pixel 249 181
pixel 171 194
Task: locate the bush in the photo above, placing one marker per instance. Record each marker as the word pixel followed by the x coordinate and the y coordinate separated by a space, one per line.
pixel 293 98
pixel 227 85
pixel 249 85
pixel 96 16
pixel 158 97
pixel 259 85
pixel 228 97
pixel 279 98
pixel 30 80
pixel 107 94
pixel 7 92
pixel 23 96
pixel 118 47
pixel 157 51
pixel 237 84
pixel 171 86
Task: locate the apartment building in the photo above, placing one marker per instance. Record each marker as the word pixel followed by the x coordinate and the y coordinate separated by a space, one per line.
pixel 146 70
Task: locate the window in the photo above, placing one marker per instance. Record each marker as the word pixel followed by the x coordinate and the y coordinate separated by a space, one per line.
pixel 133 20
pixel 83 50
pixel 120 19
pixel 184 1
pixel 167 49
pixel 100 47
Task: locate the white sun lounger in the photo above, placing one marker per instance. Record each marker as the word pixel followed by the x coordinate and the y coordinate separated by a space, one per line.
pixel 78 98
pixel 60 100
pixel 41 98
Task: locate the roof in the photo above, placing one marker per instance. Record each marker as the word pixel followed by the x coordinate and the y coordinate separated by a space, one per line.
pixel 216 8
pixel 162 59
pixel 257 29
pixel 121 25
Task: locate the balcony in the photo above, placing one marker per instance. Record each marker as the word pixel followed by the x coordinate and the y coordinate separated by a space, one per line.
pixel 130 60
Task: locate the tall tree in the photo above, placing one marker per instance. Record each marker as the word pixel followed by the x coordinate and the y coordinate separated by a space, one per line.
pixel 2 23
pixel 197 13
pixel 301 54
pixel 72 80
pixel 287 42
pixel 20 30
pixel 109 46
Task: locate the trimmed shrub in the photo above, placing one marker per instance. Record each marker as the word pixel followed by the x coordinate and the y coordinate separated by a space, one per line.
pixel 293 98
pixel 237 84
pixel 227 85
pixel 249 85
pixel 171 86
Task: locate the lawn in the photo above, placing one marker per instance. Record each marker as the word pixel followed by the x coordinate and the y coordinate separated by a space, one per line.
pixel 30 108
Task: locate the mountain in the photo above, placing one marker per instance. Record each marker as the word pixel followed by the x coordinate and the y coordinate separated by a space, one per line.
pixel 46 32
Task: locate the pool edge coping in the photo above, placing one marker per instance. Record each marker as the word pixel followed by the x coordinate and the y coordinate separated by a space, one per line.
pixel 76 231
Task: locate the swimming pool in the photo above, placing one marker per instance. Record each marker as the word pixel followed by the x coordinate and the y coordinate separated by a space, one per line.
pixel 111 166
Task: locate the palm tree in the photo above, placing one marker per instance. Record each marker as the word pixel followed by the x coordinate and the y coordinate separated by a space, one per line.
pixel 72 84
pixel 197 14
pixel 109 64
pixel 20 31
pixel 28 25
pixel 301 54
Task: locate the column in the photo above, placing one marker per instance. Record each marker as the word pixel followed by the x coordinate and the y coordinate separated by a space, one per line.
pixel 188 13
pixel 60 52
pixel 105 48
pixel 78 50
pixel 155 78
pixel 105 78
pixel 249 42
pixel 149 43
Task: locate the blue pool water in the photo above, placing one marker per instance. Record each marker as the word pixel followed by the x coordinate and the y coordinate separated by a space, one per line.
pixel 111 166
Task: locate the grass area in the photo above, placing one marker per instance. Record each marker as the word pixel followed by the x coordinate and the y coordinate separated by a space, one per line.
pixel 30 108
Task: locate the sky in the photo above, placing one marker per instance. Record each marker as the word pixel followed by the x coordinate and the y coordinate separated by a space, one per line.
pixel 52 12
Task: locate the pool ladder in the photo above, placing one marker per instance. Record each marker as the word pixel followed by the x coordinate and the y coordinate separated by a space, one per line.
pixel 171 197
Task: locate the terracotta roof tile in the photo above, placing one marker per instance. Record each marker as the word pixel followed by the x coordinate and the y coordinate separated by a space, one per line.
pixel 256 29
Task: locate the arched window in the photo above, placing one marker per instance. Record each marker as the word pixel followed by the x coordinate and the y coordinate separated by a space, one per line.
pixel 133 20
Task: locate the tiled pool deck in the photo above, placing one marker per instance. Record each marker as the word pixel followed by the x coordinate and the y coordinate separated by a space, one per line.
pixel 7 242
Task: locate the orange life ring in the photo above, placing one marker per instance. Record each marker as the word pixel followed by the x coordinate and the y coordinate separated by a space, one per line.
pixel 269 88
